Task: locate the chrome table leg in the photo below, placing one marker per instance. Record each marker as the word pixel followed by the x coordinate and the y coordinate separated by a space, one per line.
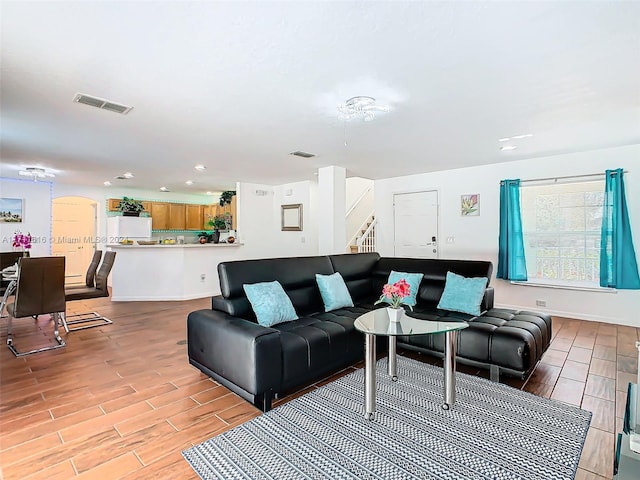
pixel 393 366
pixel 450 338
pixel 369 375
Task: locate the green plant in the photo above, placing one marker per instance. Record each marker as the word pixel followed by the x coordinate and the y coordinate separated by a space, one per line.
pixel 130 205
pixel 218 222
pixel 225 197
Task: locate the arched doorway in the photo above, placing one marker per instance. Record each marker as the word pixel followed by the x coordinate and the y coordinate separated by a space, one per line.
pixel 74 234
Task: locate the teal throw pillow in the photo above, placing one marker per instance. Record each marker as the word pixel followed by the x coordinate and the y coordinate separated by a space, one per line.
pixel 334 291
pixel 413 279
pixel 270 303
pixel 462 294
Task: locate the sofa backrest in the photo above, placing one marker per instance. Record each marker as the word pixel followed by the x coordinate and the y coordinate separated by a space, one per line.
pixel 435 273
pixel 356 271
pixel 297 275
pixel 364 274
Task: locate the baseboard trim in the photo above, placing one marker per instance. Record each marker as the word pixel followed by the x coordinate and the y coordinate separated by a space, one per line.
pixel 577 316
pixel 173 298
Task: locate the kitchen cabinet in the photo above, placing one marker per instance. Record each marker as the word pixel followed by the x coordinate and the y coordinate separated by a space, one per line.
pixel 159 216
pixel 194 218
pixel 177 216
pixel 112 204
pixel 208 211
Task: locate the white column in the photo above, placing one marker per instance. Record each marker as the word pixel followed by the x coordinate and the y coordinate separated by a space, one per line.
pixel 331 210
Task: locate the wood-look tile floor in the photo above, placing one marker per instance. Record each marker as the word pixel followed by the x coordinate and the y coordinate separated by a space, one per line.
pixel 122 401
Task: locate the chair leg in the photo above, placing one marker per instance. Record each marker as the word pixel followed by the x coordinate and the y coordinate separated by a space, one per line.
pixel 63 319
pixel 89 319
pixel 55 318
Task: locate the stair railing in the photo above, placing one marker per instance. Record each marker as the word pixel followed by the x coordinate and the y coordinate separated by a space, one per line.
pixel 367 242
pixel 363 227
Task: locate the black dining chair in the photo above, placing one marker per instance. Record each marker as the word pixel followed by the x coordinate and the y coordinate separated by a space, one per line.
pixel 90 277
pixel 91 319
pixel 7 259
pixel 39 291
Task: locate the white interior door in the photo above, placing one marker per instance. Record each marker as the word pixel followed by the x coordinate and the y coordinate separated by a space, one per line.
pixel 74 231
pixel 416 224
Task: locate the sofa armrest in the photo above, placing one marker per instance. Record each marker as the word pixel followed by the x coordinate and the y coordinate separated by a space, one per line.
pixel 487 300
pixel 242 352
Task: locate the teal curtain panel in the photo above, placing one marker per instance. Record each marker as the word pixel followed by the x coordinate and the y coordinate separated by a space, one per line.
pixel 511 260
pixel 618 266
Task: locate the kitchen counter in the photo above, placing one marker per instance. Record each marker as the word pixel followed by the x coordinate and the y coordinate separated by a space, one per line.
pixel 168 272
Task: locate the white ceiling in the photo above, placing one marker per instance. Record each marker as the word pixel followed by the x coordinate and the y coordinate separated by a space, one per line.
pixel 238 85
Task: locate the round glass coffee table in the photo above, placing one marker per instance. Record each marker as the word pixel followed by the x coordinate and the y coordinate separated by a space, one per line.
pixel 377 323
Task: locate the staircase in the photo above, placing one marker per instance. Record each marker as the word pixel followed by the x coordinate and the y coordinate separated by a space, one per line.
pixel 366 240
pixel 359 218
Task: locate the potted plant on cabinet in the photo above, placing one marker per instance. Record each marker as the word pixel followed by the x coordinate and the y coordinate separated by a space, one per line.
pixel 216 223
pixel 130 207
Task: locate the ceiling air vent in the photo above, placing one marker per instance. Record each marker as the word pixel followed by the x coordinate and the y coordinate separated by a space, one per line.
pixel 299 153
pixel 101 103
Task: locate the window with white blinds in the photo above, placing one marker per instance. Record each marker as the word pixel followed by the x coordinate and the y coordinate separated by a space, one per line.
pixel 561 225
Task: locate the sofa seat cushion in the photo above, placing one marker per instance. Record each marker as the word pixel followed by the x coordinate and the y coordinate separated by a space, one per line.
pixel 510 339
pixel 316 344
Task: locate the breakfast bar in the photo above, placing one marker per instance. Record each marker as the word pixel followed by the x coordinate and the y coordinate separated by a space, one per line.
pixel 168 272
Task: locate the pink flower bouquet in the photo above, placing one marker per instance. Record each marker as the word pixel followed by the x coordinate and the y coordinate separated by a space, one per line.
pixel 22 241
pixel 395 294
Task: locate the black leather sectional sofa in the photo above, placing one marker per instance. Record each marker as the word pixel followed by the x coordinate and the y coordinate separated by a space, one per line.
pixel 258 362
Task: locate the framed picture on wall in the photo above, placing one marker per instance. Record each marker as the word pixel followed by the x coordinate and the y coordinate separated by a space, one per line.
pixel 292 218
pixel 470 205
pixel 11 210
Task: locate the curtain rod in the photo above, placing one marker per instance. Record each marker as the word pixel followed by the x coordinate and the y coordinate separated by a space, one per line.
pixel 565 177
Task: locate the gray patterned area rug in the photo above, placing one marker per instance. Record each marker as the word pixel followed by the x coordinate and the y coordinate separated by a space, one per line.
pixel 493 432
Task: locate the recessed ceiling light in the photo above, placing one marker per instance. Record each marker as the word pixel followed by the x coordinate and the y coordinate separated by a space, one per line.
pixel 164 189
pixel 128 175
pixel 506 148
pixel 200 167
pixel 107 183
pixel 189 182
pixel 506 139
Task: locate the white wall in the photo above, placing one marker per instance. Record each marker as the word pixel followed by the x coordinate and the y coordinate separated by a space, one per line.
pixel 354 188
pixel 36 214
pixel 260 221
pixel 477 237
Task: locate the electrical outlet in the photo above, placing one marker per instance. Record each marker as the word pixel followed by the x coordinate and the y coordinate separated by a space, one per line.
pixel 541 303
pixel 203 277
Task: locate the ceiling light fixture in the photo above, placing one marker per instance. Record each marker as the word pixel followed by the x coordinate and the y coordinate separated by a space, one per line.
pixel 35 173
pixel 200 167
pixel 189 182
pixel 128 175
pixel 361 106
pixel 164 189
pixel 107 183
pixel 209 193
pixel 506 148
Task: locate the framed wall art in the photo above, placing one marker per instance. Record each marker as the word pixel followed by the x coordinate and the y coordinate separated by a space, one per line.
pixel 292 218
pixel 11 210
pixel 470 205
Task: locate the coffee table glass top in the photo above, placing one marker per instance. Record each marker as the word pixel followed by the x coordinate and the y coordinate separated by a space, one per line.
pixel 377 322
